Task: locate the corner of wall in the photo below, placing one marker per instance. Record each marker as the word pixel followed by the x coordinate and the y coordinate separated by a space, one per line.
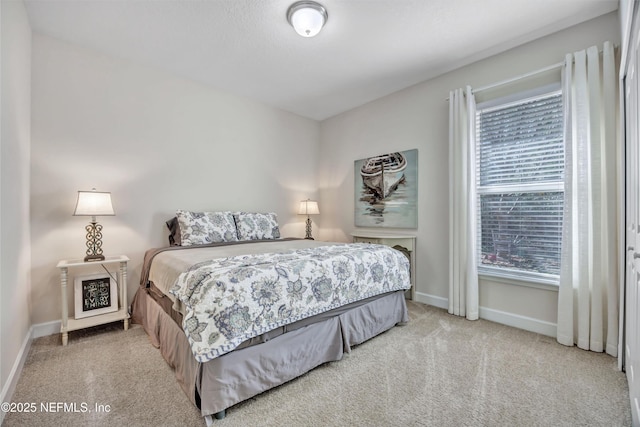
pixel 15 158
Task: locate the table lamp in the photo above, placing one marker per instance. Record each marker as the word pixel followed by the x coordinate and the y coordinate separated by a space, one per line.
pixel 94 203
pixel 308 207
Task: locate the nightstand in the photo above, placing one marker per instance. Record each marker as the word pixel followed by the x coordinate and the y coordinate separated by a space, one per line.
pixel 405 243
pixel 122 312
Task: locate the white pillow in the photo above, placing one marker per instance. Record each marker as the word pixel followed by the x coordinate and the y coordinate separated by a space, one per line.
pixel 201 228
pixel 257 226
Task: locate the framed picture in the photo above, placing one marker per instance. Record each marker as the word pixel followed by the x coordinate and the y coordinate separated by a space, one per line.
pixel 386 190
pixel 95 294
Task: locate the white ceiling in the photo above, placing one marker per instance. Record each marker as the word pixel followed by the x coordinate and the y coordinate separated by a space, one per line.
pixel 368 49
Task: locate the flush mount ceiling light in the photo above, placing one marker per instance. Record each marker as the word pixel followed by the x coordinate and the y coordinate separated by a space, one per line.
pixel 307 17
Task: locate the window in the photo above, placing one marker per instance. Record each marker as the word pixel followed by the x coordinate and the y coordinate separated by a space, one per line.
pixel 520 172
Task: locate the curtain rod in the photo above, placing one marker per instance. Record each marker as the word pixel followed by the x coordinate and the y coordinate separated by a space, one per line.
pixel 524 76
pixel 520 77
pixel 516 78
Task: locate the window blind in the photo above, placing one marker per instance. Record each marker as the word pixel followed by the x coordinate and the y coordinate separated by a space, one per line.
pixel 520 171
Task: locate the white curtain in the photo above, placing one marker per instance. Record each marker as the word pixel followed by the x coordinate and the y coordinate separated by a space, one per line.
pixel 463 274
pixel 588 295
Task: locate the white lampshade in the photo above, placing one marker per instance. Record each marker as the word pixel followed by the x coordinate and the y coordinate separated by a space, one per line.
pixel 94 203
pixel 308 207
pixel 307 17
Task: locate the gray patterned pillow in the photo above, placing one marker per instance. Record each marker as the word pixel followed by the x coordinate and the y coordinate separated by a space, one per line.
pixel 256 226
pixel 200 228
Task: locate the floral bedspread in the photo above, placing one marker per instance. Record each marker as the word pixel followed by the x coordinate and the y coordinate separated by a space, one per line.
pixel 230 300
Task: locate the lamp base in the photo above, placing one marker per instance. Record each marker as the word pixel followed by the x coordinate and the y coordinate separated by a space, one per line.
pixel 94 242
pixel 308 235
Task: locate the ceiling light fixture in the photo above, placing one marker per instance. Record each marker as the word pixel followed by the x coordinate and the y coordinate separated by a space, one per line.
pixel 307 17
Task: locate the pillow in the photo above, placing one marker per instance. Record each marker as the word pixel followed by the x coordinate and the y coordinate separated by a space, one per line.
pixel 256 226
pixel 201 228
pixel 174 232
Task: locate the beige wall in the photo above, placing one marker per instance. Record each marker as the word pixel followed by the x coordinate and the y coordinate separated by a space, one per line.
pixel 15 138
pixel 418 118
pixel 158 143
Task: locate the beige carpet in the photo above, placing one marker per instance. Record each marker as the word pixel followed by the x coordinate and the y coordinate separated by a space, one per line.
pixel 439 370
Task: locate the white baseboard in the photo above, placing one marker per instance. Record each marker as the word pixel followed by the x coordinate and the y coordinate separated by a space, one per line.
pixel 36 331
pixel 521 322
pixel 16 370
pixel 432 300
pixel 517 321
pixel 45 329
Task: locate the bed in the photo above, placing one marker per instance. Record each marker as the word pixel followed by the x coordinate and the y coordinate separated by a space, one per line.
pixel 237 316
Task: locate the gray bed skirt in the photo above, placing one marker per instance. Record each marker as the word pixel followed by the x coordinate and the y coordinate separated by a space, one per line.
pixel 234 377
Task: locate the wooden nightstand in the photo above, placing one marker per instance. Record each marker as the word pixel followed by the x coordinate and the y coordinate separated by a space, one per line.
pixel 122 312
pixel 405 243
